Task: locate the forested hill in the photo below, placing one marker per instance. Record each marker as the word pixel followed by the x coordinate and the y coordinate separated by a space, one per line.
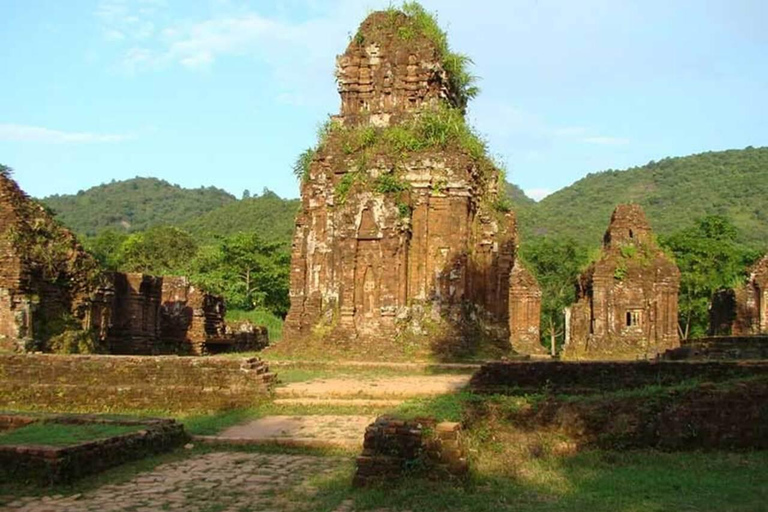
pixel 134 205
pixel 674 192
pixel 272 217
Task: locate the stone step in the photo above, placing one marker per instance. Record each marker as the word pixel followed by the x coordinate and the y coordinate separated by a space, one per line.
pixel 400 387
pixel 437 367
pixel 311 431
pixel 351 402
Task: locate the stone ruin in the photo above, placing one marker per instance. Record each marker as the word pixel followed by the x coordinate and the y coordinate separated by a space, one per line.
pixel 55 297
pixel 742 311
pixel 169 315
pixel 626 304
pixel 49 285
pixel 408 242
pixel 394 448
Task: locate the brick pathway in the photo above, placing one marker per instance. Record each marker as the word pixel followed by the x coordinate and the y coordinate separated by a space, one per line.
pixel 214 482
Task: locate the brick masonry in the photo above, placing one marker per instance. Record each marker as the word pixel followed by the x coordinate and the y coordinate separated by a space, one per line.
pixel 626 304
pixel 743 311
pixel 597 377
pixel 55 465
pixel 114 383
pixel 710 416
pixel 394 448
pixel 432 261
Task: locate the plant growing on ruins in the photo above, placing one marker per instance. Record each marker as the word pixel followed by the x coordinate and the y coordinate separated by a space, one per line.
pixel 302 164
pixel 421 21
pixel 389 183
pixel 345 185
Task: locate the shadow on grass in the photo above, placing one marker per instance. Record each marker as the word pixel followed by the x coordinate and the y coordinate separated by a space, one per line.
pixel 597 481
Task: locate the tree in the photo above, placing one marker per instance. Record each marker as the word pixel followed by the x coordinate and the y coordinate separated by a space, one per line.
pixel 160 250
pixel 709 258
pixel 106 246
pixel 556 263
pixel 246 194
pixel 247 271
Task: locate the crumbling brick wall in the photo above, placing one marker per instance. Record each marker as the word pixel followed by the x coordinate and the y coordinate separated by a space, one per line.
pixel 742 311
pixel 394 448
pixel 189 317
pixel 49 286
pixel 429 250
pixel 626 301
pixel 135 325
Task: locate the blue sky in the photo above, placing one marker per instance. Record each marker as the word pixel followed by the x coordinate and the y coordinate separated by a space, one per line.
pixel 226 93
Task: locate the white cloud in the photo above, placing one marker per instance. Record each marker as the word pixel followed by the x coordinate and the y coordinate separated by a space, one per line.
pixel 23 133
pixel 300 54
pixel 537 194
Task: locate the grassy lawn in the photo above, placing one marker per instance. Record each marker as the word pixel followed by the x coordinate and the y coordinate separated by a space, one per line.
pixel 597 481
pixel 62 434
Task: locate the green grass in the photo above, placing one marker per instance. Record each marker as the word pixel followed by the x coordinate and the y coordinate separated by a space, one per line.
pixel 63 434
pixel 598 481
pixel 273 323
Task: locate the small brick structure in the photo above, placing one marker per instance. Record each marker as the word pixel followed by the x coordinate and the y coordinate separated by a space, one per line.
pixel 394 448
pixel 523 377
pixel 55 465
pixel 108 383
pixel 626 305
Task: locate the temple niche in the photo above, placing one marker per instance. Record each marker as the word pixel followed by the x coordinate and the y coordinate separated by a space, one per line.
pixel 626 304
pixel 743 311
pixel 394 237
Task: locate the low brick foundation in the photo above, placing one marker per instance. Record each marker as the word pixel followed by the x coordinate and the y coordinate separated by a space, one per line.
pixel 394 448
pixel 591 377
pixel 116 383
pixel 53 465
pixel 721 348
pixel 727 416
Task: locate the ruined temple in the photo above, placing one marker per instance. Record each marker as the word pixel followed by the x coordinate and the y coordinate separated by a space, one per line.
pixel 54 297
pixel 169 315
pixel 626 304
pixel 743 311
pixel 401 229
pixel 52 293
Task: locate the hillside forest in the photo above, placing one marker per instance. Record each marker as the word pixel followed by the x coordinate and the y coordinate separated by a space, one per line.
pixel 709 212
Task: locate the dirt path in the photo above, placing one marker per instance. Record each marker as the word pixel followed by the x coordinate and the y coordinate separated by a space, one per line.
pixel 316 430
pixel 409 386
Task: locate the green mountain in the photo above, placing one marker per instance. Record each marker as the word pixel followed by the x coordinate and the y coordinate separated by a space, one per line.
pixel 674 192
pixel 134 205
pixel 268 214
